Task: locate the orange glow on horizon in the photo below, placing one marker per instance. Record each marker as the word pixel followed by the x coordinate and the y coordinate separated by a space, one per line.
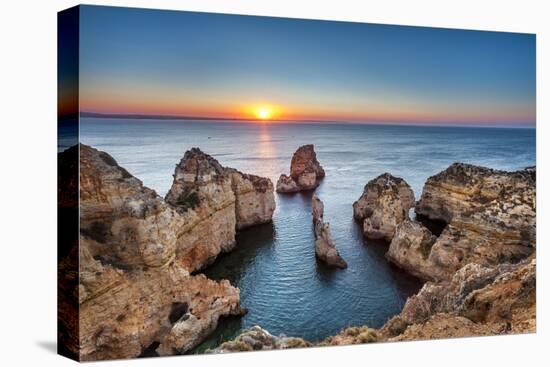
pixel 258 110
pixel 263 112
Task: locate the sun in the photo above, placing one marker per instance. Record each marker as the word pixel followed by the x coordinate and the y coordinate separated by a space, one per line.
pixel 263 113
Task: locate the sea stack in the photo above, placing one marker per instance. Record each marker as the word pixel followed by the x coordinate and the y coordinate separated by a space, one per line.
pixel 325 249
pixel 385 202
pixel 306 172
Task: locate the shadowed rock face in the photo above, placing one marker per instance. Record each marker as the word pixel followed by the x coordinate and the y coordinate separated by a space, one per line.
pixel 491 220
pixel 325 249
pixel 135 291
pixel 385 202
pixel 305 172
pixel 130 225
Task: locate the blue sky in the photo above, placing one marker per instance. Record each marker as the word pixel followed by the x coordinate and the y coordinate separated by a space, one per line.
pixel 172 62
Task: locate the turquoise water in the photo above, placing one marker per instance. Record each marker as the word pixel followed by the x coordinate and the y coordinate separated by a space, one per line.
pixel 283 287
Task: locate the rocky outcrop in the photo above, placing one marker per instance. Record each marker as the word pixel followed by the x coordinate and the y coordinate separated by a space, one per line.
pixel 254 199
pixel 325 249
pixel 410 249
pixel 478 300
pixel 498 299
pixel 491 219
pixel 286 184
pixel 215 201
pixel 385 202
pixel 124 312
pixel 480 271
pixel 305 172
pixel 464 188
pixel 257 338
pixel 130 225
pixel 136 253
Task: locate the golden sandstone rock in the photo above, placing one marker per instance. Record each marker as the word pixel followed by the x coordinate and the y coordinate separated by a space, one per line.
pixel 490 219
pixel 480 271
pixel 306 172
pixel 133 289
pixel 134 293
pixel 325 249
pixel 384 204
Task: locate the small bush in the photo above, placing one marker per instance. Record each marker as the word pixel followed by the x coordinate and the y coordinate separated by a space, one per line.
pixel 243 347
pixel 297 343
pixel 188 200
pixel 352 331
pixel 368 336
pixel 426 247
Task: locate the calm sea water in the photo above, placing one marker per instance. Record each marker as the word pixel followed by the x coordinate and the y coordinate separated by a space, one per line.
pixel 285 290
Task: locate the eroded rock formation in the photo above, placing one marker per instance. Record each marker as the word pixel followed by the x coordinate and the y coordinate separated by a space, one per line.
pixel 325 249
pixel 491 218
pixel 135 293
pixel 257 338
pixel 385 202
pixel 478 300
pixel 130 225
pixel 136 253
pixel 305 172
pixel 410 250
pixel 215 201
pixel 124 312
pixel 464 188
pixel 481 269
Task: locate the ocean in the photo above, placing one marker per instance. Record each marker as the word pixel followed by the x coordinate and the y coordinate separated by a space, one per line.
pixel 283 287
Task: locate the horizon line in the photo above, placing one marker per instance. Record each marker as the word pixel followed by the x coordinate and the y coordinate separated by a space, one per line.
pixel 142 116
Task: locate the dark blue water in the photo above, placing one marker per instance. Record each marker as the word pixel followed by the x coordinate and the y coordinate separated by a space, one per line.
pixel 282 285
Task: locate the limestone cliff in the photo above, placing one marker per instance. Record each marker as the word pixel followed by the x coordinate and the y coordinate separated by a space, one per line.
pixel 464 188
pixel 164 309
pixel 306 172
pixel 129 223
pixel 325 249
pixel 481 270
pixel 478 300
pixel 488 300
pixel 491 218
pixel 410 250
pixel 215 201
pixel 385 202
pixel 135 291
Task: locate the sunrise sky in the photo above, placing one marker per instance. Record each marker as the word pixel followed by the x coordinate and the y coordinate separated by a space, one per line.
pixel 136 61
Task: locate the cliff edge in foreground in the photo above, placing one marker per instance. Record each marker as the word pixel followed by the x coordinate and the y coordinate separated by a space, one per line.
pixel 136 294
